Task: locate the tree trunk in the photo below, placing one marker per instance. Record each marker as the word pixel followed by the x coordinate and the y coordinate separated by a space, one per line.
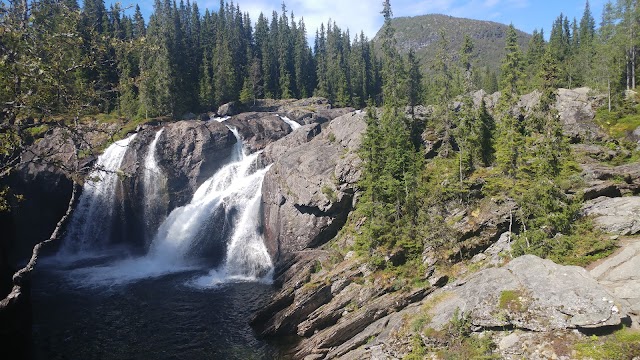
pixel 633 68
pixel 609 92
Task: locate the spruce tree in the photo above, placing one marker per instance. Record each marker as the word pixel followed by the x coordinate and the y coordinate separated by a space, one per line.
pixel 509 144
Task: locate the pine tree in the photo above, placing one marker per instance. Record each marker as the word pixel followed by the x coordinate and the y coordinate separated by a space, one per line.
pixel 552 144
pixel 509 144
pixel 535 52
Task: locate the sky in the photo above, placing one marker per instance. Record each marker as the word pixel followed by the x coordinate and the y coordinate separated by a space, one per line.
pixel 364 15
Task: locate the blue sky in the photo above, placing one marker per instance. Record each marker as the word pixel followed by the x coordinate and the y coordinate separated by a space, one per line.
pixel 357 15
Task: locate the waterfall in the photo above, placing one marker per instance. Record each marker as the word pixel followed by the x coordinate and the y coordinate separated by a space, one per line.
pixel 220 119
pixel 294 125
pixel 154 184
pixel 91 222
pixel 234 189
pixel 223 215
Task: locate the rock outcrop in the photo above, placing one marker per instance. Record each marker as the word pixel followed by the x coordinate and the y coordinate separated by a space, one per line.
pixel 188 153
pixel 533 294
pixel 479 228
pixel 620 274
pixel 308 192
pixel 43 179
pixel 576 108
pixel 615 215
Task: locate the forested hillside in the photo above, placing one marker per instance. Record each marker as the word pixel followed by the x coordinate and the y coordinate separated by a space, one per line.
pixel 422 35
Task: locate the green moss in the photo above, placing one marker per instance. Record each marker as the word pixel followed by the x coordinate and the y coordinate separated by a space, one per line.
pixel 330 193
pixel 622 345
pixel 332 137
pixel 512 300
pixel 455 341
pixel 37 131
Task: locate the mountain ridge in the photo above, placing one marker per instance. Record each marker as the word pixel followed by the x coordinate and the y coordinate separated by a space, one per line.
pixel 421 33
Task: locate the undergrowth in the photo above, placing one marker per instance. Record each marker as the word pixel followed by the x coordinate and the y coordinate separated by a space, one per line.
pixel 622 345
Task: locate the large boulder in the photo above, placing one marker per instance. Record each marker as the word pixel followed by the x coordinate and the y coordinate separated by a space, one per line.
pixel 308 192
pixel 190 152
pixel 615 215
pixel 259 129
pixel 532 294
pixel 277 149
pixel 576 108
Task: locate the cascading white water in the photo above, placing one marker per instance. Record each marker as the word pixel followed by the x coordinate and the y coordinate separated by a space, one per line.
pixel 230 187
pixel 91 221
pixel 154 185
pixel 294 125
pixel 236 187
pixel 220 119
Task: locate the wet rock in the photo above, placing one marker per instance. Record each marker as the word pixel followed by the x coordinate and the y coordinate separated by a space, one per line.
pixel 615 215
pixel 189 152
pixel 280 315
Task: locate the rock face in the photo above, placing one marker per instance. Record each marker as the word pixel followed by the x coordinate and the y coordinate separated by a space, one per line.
pixel 44 182
pixel 533 294
pixel 610 181
pixel 615 215
pixel 479 228
pixel 308 192
pixel 576 108
pixel 620 274
pixel 326 305
pixel 577 111
pixel 190 152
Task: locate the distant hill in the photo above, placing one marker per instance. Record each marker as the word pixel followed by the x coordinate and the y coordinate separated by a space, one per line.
pixel 422 32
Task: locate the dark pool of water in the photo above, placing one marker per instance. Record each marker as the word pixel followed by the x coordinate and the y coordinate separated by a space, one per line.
pixel 159 318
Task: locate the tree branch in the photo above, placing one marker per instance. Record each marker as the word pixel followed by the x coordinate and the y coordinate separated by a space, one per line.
pixel 25 273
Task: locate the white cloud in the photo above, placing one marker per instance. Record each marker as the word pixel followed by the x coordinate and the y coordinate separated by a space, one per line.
pixel 355 15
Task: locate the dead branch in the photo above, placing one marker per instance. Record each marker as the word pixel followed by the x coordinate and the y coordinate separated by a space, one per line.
pixel 25 273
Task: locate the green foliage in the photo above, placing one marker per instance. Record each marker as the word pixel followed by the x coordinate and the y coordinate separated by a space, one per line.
pixel 621 121
pixel 329 192
pixel 623 344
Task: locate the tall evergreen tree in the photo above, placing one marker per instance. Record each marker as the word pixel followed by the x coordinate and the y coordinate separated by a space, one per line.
pixel 510 138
